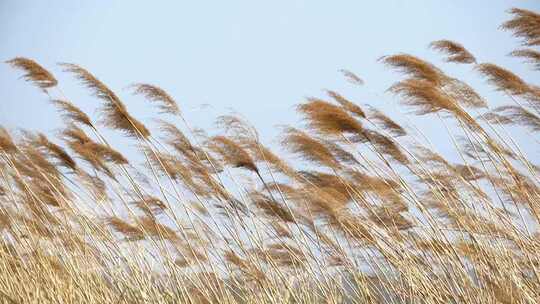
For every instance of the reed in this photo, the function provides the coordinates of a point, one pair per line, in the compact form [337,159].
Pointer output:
[353,207]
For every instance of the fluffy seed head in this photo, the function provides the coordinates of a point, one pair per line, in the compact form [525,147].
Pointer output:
[347,104]
[529,55]
[327,118]
[416,68]
[503,79]
[455,51]
[525,25]
[115,114]
[34,72]
[166,103]
[71,112]
[352,77]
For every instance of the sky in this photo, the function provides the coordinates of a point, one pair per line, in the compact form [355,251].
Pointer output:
[256,58]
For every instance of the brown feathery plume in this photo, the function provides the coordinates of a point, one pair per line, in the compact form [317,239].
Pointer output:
[495,118]
[340,153]
[347,104]
[386,123]
[464,94]
[132,233]
[309,148]
[476,150]
[156,229]
[232,153]
[38,160]
[296,256]
[150,205]
[156,94]
[468,172]
[104,152]
[95,184]
[281,255]
[504,80]
[427,98]
[71,112]
[352,77]
[247,267]
[204,184]
[455,51]
[115,114]
[6,142]
[281,230]
[328,119]
[5,219]
[34,72]
[170,165]
[384,144]
[531,56]
[175,137]
[327,181]
[364,182]
[525,24]
[56,151]
[430,157]
[353,226]
[94,153]
[47,194]
[386,218]
[190,256]
[233,258]
[322,200]
[238,127]
[264,154]
[514,115]
[270,207]
[286,189]
[415,67]
[72,133]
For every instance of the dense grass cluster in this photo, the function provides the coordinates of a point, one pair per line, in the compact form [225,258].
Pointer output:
[368,213]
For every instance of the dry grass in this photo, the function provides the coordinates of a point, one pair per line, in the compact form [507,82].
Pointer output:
[367,213]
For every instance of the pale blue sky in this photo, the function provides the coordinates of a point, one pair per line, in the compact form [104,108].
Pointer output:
[258,57]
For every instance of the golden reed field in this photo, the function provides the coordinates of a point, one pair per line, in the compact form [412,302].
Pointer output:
[352,208]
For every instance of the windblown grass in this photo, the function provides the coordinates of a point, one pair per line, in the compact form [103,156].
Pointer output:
[368,213]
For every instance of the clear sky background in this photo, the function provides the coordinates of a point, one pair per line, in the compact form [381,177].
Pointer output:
[259,58]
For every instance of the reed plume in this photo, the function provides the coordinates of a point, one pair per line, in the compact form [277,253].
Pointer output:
[529,55]
[352,77]
[427,98]
[114,112]
[328,119]
[455,51]
[416,68]
[308,148]
[56,151]
[386,123]
[525,25]
[34,72]
[72,113]
[166,103]
[514,115]
[347,104]
[6,141]
[232,153]
[503,79]
[131,232]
